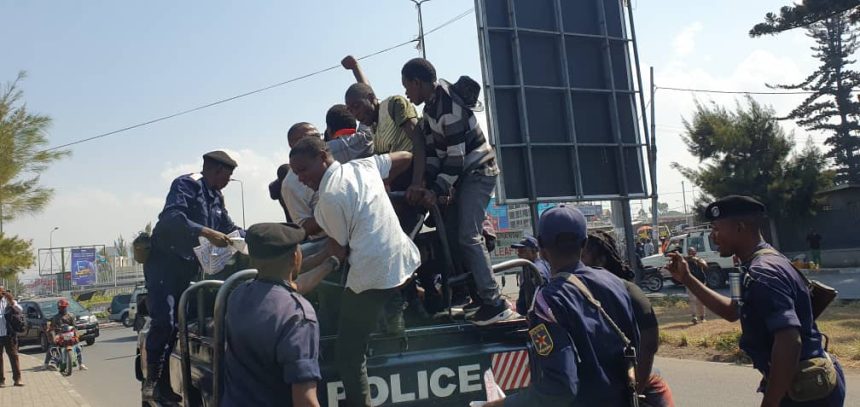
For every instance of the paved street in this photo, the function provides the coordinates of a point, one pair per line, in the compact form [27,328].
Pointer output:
[110,381]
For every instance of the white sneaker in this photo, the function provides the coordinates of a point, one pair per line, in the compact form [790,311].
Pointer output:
[82,367]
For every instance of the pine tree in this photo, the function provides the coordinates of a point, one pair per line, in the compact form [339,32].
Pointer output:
[830,107]
[804,14]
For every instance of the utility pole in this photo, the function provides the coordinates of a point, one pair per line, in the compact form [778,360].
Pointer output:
[421,44]
[655,231]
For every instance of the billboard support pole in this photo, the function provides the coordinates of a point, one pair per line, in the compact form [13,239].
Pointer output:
[655,231]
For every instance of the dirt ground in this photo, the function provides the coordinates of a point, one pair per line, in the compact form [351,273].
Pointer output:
[717,340]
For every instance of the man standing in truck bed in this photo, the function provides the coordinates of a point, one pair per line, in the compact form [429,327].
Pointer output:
[194,208]
[459,157]
[356,214]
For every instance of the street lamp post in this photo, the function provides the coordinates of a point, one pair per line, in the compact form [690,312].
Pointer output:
[242,187]
[421,44]
[51,250]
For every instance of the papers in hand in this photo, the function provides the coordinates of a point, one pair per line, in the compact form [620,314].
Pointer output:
[494,392]
[212,258]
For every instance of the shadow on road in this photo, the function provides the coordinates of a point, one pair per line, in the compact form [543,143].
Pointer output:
[123,339]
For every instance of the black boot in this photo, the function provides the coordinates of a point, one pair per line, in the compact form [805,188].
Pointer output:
[165,391]
[149,391]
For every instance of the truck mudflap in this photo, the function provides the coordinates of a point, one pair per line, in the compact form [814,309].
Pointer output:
[429,379]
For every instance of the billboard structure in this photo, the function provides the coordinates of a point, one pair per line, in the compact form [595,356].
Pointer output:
[84,266]
[559,84]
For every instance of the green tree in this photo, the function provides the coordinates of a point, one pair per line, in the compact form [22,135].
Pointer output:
[120,246]
[830,107]
[15,256]
[22,155]
[745,151]
[804,14]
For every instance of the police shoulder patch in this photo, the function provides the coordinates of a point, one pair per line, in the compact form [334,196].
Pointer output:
[541,339]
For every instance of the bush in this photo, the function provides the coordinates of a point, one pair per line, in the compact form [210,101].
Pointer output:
[728,342]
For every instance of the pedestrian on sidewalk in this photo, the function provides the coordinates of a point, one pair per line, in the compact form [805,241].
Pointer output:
[814,241]
[8,337]
[697,269]
[778,329]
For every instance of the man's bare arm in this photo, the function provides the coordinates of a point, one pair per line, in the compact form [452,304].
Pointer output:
[783,364]
[400,162]
[349,62]
[305,394]
[308,281]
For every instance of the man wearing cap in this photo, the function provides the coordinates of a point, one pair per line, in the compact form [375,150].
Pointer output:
[577,358]
[300,199]
[272,330]
[528,249]
[778,328]
[356,214]
[194,208]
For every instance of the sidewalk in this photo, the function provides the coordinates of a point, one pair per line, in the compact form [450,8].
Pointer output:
[41,387]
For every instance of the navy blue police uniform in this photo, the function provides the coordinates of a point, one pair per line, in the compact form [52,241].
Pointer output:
[774,297]
[576,357]
[272,331]
[190,206]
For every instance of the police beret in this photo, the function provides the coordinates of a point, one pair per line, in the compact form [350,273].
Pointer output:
[734,205]
[221,157]
[268,240]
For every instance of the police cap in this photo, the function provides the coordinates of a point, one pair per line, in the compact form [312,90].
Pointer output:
[733,206]
[221,158]
[561,227]
[270,240]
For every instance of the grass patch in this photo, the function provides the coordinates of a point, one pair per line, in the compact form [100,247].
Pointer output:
[717,340]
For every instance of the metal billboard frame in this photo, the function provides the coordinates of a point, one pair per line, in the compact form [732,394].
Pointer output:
[628,40]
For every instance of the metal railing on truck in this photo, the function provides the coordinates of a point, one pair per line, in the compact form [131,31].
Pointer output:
[226,287]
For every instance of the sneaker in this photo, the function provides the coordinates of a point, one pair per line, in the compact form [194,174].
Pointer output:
[52,367]
[82,367]
[19,383]
[471,308]
[491,314]
[694,320]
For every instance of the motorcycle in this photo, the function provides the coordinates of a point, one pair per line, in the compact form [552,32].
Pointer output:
[652,280]
[66,349]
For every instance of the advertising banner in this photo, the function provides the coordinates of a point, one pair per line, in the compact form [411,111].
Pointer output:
[84,266]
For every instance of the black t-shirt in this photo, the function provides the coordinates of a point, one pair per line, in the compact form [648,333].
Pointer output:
[642,309]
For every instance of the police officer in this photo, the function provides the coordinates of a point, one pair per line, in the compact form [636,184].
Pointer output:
[272,331]
[528,249]
[194,207]
[577,357]
[778,329]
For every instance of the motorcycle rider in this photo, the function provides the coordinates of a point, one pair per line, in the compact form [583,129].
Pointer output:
[55,327]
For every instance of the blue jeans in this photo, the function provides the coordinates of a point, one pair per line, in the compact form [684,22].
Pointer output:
[465,224]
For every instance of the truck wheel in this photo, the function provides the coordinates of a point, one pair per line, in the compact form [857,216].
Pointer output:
[91,341]
[126,321]
[43,341]
[716,277]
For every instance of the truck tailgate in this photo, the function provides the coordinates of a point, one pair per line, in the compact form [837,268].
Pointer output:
[438,366]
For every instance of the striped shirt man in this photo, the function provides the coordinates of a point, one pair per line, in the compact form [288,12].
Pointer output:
[456,145]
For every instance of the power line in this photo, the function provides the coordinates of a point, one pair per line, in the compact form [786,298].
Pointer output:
[738,92]
[255,91]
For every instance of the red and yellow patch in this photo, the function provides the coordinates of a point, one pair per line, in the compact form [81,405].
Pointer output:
[541,340]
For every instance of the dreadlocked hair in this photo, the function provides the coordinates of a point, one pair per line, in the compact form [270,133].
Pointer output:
[603,244]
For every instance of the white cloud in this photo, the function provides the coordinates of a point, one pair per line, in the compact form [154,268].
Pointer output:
[685,42]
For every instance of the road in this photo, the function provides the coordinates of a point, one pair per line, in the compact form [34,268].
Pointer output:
[110,381]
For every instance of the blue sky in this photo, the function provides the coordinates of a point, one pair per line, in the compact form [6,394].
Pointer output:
[95,66]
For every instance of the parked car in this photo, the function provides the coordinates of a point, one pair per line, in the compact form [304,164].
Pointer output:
[137,301]
[118,309]
[40,310]
[700,239]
